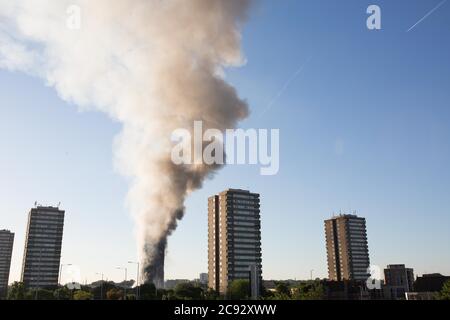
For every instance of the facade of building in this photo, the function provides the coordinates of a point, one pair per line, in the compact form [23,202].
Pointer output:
[42,254]
[398,281]
[234,238]
[432,282]
[346,290]
[203,278]
[6,247]
[347,248]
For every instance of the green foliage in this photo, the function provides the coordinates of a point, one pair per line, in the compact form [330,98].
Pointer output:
[283,289]
[82,295]
[169,295]
[445,292]
[42,294]
[239,290]
[211,294]
[62,293]
[131,296]
[114,294]
[17,291]
[147,291]
[311,290]
[278,296]
[282,292]
[188,291]
[99,292]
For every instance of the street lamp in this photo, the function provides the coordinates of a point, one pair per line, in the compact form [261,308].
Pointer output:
[137,279]
[125,283]
[101,286]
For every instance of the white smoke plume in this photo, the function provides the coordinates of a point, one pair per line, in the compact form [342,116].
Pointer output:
[152,65]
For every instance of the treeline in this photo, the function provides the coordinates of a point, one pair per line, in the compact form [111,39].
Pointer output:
[238,290]
[108,291]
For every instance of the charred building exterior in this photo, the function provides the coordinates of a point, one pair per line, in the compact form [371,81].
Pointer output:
[154,269]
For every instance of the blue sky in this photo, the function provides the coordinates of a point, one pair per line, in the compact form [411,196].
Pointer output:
[364,126]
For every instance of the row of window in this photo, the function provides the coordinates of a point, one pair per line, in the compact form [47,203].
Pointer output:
[244,196]
[246,229]
[244,218]
[253,223]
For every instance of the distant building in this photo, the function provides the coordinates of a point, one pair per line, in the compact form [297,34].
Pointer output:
[203,278]
[346,290]
[41,261]
[430,282]
[398,281]
[234,238]
[6,247]
[347,248]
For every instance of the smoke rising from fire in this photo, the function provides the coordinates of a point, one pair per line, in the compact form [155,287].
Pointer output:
[152,65]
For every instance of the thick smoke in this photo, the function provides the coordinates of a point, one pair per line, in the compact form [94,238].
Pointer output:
[152,65]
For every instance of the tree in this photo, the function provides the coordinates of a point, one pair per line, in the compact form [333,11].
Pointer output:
[283,288]
[169,295]
[114,294]
[17,291]
[188,291]
[445,292]
[42,294]
[147,291]
[282,291]
[312,290]
[239,290]
[82,295]
[62,293]
[211,294]
[99,291]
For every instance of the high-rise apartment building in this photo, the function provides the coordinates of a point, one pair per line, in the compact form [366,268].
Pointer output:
[6,247]
[347,248]
[41,260]
[234,238]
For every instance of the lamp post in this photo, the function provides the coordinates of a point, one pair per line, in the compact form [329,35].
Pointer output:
[138,289]
[101,286]
[125,283]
